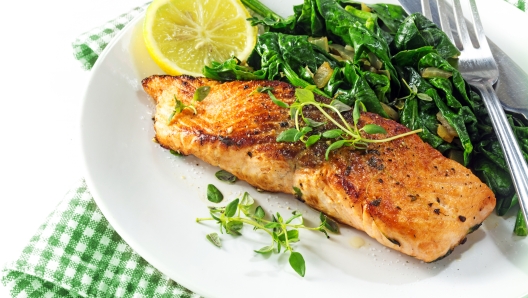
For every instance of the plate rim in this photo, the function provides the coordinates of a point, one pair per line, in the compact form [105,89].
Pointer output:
[94,190]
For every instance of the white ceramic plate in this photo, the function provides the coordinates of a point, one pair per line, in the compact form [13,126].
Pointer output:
[152,199]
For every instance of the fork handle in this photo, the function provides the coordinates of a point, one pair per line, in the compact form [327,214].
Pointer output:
[510,147]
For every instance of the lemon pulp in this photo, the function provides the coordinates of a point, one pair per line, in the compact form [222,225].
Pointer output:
[184,35]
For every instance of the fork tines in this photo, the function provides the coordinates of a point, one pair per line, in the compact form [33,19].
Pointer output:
[449,15]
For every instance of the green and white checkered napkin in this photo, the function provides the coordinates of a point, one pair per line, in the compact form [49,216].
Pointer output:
[89,45]
[76,253]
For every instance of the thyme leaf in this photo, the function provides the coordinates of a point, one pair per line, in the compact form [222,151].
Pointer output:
[201,93]
[297,263]
[213,237]
[313,123]
[329,224]
[340,106]
[281,104]
[333,133]
[179,106]
[312,140]
[373,129]
[213,194]
[225,176]
[298,193]
[287,135]
[231,208]
[175,153]
[345,135]
[284,232]
[265,249]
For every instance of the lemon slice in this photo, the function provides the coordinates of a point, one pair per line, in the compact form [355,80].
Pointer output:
[184,35]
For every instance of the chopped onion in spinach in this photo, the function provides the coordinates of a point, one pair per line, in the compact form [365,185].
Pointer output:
[384,58]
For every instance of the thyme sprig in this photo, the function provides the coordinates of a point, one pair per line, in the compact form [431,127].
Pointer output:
[345,135]
[399,103]
[413,92]
[199,95]
[283,232]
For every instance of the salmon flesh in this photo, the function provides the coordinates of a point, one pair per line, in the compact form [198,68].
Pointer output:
[403,193]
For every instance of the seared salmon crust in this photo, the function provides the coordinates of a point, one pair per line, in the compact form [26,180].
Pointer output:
[403,193]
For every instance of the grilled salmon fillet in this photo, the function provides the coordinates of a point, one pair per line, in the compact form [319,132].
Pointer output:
[403,193]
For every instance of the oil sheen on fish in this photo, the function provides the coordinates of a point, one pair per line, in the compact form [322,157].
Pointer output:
[403,193]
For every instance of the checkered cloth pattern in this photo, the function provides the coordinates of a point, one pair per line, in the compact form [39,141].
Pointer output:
[77,253]
[89,45]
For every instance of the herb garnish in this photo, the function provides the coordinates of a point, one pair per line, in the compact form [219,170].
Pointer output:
[345,135]
[283,232]
[329,223]
[175,153]
[225,176]
[213,194]
[373,48]
[413,92]
[213,237]
[261,89]
[199,95]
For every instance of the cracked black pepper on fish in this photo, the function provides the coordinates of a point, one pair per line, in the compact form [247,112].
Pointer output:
[403,193]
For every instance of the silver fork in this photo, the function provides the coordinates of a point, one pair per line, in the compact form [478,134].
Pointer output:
[478,67]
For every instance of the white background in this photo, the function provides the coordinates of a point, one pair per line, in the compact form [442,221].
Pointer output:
[42,86]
